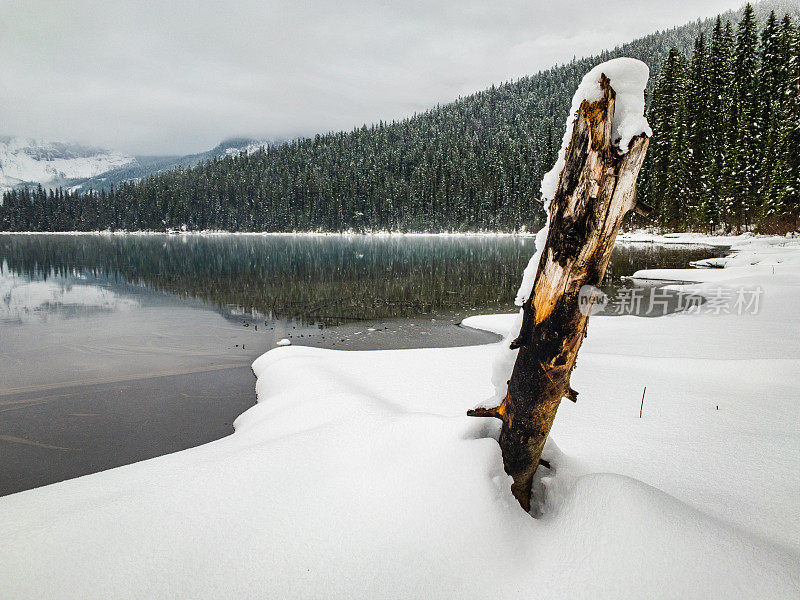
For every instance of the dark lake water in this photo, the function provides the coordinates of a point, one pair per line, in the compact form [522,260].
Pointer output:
[309,280]
[116,348]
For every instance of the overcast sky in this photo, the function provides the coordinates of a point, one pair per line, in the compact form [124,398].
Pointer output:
[177,77]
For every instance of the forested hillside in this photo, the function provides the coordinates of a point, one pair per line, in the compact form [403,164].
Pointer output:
[476,163]
[726,130]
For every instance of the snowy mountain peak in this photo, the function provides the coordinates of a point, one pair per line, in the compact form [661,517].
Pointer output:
[78,167]
[25,160]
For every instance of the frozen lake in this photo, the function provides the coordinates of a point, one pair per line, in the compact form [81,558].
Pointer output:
[117,348]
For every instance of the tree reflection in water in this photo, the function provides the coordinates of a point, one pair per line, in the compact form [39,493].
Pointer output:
[317,279]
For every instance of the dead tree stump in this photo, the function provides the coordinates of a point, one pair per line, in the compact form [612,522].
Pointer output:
[596,188]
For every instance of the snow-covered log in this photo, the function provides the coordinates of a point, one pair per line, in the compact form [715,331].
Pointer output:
[596,186]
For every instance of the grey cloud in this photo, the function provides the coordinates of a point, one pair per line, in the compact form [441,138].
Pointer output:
[175,77]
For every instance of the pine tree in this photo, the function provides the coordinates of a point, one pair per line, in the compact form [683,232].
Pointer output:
[781,187]
[666,163]
[677,189]
[701,199]
[771,71]
[745,151]
[726,138]
[720,73]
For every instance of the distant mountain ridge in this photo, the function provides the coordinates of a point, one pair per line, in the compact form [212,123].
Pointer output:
[149,165]
[53,164]
[26,161]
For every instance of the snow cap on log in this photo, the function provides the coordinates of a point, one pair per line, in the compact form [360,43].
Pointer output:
[628,78]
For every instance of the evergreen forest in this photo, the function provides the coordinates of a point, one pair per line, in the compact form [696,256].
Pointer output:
[723,102]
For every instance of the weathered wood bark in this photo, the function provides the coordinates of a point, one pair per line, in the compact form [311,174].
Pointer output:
[597,187]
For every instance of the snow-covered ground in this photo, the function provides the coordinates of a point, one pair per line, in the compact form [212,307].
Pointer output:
[641,236]
[358,474]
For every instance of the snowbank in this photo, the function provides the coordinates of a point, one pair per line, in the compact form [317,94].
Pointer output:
[358,474]
[741,241]
[750,257]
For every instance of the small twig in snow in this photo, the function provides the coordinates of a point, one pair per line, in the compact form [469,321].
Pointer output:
[642,405]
